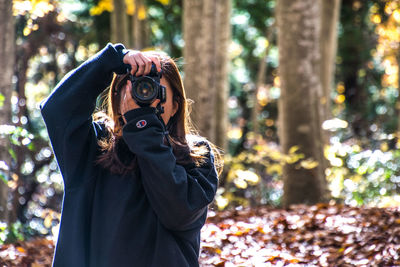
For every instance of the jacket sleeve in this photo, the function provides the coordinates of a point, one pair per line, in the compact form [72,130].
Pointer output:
[178,195]
[67,113]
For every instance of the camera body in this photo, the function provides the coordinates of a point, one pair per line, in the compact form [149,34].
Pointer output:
[146,89]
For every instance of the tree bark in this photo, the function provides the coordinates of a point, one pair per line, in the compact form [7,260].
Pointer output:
[206,30]
[328,40]
[329,23]
[356,40]
[208,69]
[192,18]
[300,108]
[222,80]
[398,97]
[140,27]
[7,29]
[262,72]
[119,23]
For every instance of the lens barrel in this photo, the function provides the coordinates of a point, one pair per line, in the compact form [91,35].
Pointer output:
[146,89]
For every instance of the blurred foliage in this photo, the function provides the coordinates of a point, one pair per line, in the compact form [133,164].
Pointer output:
[369,176]
[164,18]
[253,41]
[11,233]
[364,107]
[56,36]
[253,177]
[367,68]
[2,98]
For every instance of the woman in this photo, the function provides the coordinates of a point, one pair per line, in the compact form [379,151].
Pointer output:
[130,197]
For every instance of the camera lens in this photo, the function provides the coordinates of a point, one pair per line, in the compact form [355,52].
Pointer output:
[145,90]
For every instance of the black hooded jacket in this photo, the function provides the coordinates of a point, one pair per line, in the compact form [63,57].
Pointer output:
[109,220]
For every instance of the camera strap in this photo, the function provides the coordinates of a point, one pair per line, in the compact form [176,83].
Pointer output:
[159,111]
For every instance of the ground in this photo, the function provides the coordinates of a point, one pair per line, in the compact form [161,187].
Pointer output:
[320,235]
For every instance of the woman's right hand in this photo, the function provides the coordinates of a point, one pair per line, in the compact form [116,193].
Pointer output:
[141,62]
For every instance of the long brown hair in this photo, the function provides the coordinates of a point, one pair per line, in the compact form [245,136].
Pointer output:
[116,156]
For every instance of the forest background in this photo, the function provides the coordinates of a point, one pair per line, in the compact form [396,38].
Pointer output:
[302,96]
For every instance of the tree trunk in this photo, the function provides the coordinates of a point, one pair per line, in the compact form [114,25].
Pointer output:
[140,27]
[356,42]
[300,108]
[398,97]
[222,81]
[119,23]
[207,36]
[262,72]
[192,22]
[7,29]
[329,23]
[328,45]
[24,53]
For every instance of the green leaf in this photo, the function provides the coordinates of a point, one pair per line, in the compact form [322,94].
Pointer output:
[3,177]
[293,149]
[12,153]
[31,146]
[2,99]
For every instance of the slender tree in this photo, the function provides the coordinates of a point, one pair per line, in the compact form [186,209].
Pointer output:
[355,44]
[328,46]
[261,74]
[206,30]
[398,97]
[192,16]
[222,83]
[6,72]
[300,109]
[328,39]
[140,28]
[119,23]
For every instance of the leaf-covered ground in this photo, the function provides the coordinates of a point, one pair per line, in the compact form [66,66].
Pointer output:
[321,235]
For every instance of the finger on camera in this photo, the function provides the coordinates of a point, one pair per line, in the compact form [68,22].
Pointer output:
[155,103]
[148,62]
[134,68]
[141,67]
[129,58]
[156,62]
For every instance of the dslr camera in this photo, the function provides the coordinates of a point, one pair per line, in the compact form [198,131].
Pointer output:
[146,89]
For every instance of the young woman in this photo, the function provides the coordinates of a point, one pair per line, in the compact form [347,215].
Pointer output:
[131,198]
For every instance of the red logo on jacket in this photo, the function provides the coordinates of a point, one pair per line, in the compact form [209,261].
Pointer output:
[141,123]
